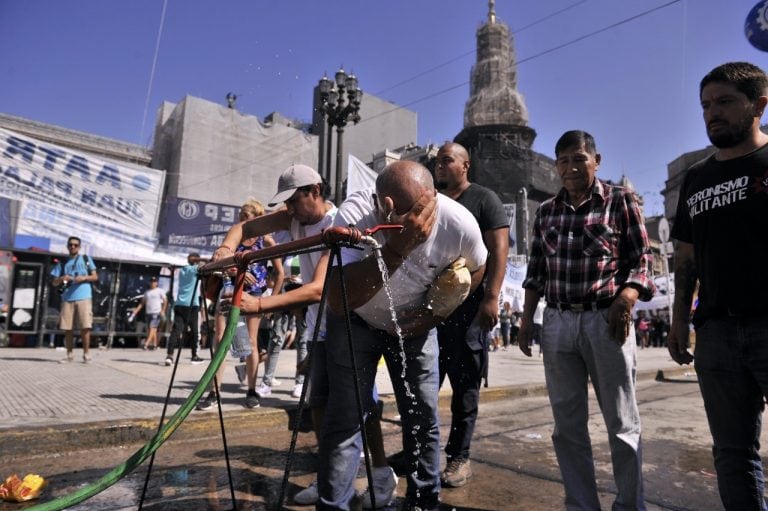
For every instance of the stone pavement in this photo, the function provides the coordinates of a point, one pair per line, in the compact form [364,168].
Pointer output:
[118,397]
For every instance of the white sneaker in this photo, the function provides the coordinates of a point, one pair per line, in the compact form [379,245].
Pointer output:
[297,390]
[263,390]
[169,361]
[307,496]
[384,485]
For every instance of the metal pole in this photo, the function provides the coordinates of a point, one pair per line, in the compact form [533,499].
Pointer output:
[665,258]
[329,149]
[339,136]
[524,207]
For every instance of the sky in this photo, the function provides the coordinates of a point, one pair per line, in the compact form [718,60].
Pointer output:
[626,71]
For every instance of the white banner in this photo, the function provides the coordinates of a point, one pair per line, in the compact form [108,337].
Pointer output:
[99,238]
[512,290]
[359,176]
[511,210]
[117,194]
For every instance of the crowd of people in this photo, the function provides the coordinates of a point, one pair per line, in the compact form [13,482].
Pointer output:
[432,314]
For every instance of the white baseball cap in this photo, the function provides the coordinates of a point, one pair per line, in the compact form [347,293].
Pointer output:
[293,178]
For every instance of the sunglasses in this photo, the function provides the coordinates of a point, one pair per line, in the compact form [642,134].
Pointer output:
[73,244]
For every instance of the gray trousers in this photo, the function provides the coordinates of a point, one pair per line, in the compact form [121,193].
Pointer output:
[576,347]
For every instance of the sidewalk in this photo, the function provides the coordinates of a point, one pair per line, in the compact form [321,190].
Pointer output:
[118,397]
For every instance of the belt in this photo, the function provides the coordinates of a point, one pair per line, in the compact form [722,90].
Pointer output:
[581,307]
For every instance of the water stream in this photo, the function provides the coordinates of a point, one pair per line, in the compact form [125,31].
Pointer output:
[399,333]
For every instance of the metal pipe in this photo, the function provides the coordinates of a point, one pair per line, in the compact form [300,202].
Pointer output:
[330,237]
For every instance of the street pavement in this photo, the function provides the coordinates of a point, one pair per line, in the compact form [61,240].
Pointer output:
[119,396]
[73,422]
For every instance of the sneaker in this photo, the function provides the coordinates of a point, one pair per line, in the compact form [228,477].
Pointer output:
[168,361]
[86,358]
[307,496]
[297,390]
[197,360]
[384,485]
[207,402]
[252,399]
[240,370]
[67,359]
[263,390]
[457,473]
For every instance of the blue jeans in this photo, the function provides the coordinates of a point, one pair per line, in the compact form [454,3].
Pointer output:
[276,340]
[416,394]
[578,349]
[732,367]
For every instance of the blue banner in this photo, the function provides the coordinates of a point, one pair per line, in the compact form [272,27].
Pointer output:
[196,224]
[5,222]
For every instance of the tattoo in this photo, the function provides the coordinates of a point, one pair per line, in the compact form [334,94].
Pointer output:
[685,285]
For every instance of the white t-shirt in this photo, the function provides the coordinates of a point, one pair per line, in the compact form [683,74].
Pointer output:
[153,300]
[308,261]
[455,234]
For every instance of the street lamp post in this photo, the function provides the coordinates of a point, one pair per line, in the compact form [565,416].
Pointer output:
[524,208]
[340,104]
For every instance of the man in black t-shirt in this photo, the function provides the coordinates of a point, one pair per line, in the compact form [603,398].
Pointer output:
[464,336]
[721,225]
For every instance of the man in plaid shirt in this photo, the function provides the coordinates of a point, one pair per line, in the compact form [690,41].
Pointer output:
[590,260]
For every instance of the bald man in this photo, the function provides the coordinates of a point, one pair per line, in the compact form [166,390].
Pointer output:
[463,337]
[436,232]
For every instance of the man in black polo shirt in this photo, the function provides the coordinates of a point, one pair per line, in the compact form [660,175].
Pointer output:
[464,335]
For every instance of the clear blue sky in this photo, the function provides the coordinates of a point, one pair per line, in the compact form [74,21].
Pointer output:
[86,64]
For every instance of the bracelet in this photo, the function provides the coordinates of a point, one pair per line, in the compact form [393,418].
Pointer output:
[224,246]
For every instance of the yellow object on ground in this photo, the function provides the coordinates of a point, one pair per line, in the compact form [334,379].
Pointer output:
[20,490]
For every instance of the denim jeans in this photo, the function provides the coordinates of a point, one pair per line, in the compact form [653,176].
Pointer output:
[416,394]
[464,359]
[577,348]
[732,367]
[276,340]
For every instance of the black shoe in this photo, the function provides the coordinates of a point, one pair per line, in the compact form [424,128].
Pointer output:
[197,360]
[399,463]
[252,399]
[410,504]
[207,402]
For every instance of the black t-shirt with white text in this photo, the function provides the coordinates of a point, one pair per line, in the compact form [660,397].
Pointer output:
[723,212]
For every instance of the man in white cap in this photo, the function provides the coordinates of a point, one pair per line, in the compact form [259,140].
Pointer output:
[306,213]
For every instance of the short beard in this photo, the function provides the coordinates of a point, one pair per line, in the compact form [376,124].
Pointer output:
[735,135]
[441,185]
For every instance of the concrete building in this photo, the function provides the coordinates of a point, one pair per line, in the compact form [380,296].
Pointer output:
[218,154]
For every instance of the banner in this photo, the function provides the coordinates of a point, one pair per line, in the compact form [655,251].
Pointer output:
[120,194]
[512,290]
[5,222]
[359,176]
[100,238]
[511,210]
[192,224]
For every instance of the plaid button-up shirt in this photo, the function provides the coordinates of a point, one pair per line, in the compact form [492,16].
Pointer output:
[589,253]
